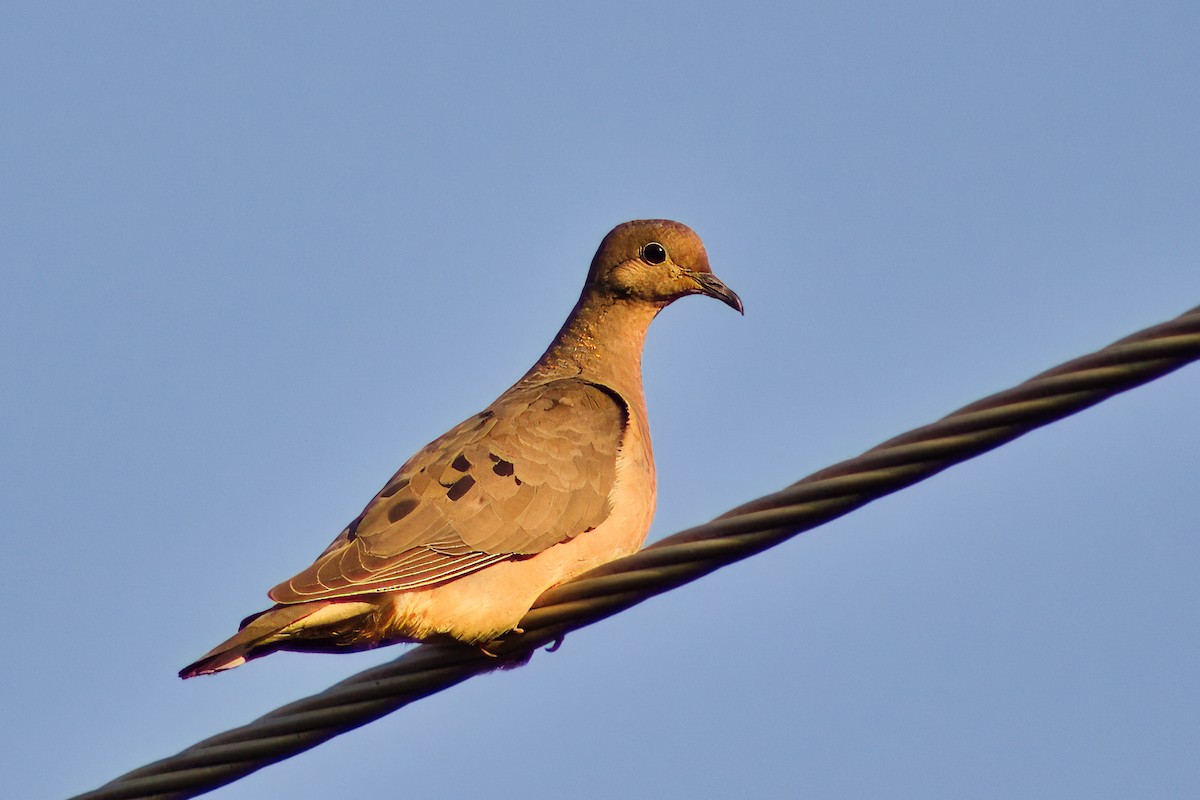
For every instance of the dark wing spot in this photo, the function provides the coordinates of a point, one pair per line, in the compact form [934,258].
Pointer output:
[352,528]
[460,487]
[394,487]
[401,510]
[518,480]
[460,463]
[503,468]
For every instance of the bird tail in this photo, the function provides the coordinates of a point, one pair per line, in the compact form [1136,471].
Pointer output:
[310,627]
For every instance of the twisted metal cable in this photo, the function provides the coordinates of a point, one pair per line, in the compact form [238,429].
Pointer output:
[678,559]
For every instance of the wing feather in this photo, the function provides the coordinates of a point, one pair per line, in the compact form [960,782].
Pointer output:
[535,469]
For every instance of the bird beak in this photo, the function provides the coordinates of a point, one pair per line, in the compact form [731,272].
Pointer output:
[713,286]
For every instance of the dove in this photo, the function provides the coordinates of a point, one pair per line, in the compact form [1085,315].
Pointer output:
[552,479]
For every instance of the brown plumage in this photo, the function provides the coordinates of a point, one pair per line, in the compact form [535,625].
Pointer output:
[553,478]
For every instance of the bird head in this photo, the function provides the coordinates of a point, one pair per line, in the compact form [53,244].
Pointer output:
[656,261]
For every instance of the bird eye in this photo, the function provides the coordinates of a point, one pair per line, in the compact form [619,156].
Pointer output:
[654,253]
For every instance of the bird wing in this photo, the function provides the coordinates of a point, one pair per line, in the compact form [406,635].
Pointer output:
[535,469]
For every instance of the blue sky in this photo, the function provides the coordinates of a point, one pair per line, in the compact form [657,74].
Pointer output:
[256,255]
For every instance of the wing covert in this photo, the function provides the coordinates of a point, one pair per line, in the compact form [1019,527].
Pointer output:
[535,469]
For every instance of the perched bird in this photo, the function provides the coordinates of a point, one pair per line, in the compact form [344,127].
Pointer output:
[553,478]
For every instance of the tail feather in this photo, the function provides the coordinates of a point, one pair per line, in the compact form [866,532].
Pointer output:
[312,627]
[252,641]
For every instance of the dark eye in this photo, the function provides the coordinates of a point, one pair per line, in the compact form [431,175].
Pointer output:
[654,253]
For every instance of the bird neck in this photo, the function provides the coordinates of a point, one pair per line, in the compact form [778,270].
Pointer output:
[601,341]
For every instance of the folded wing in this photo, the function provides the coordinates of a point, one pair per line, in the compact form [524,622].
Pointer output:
[533,470]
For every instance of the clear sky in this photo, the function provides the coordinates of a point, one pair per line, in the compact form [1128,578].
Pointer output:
[255,255]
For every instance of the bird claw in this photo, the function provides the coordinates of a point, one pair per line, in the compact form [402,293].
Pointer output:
[509,659]
[557,643]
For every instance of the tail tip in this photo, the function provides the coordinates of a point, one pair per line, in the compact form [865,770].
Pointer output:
[211,665]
